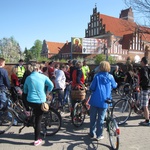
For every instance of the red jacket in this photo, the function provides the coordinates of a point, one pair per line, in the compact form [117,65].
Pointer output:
[77,78]
[14,80]
[50,72]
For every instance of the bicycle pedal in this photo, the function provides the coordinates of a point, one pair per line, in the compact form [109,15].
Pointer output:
[20,130]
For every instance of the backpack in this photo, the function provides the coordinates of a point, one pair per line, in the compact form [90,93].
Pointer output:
[146,77]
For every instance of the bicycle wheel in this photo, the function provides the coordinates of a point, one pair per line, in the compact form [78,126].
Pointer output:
[121,90]
[51,122]
[55,103]
[6,120]
[78,114]
[121,111]
[113,134]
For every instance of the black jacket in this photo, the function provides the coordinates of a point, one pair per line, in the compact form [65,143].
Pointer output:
[142,77]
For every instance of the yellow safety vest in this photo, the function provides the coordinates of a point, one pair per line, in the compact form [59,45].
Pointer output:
[20,72]
[85,70]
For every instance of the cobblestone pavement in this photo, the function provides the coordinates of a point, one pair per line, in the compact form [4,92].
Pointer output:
[132,137]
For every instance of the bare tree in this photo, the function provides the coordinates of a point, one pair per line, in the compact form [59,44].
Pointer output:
[140,6]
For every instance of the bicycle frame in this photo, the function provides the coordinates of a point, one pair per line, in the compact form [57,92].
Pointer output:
[51,120]
[112,128]
[134,106]
[55,103]
[110,118]
[21,114]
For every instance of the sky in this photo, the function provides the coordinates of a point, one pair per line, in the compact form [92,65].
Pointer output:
[51,20]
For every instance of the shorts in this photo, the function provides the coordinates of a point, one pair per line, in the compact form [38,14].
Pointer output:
[144,97]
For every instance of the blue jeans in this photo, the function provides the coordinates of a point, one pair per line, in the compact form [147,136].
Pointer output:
[3,104]
[97,116]
[61,96]
[3,100]
[66,94]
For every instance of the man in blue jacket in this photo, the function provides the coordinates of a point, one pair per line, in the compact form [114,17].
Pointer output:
[4,84]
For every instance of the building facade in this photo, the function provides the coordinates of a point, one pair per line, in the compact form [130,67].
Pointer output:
[51,49]
[124,38]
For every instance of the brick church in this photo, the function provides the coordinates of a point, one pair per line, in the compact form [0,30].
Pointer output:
[123,38]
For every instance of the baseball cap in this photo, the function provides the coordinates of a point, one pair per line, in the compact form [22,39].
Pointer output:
[21,60]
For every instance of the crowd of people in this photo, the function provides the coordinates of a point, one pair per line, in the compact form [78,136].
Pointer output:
[139,81]
[36,80]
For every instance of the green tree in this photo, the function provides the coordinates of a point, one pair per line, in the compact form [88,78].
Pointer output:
[111,59]
[99,58]
[27,55]
[36,49]
[34,52]
[10,49]
[40,59]
[102,57]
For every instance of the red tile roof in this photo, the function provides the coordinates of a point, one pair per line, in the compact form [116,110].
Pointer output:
[66,48]
[116,26]
[120,27]
[54,47]
[145,31]
[146,37]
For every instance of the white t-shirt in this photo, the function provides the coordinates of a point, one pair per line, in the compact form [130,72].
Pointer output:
[60,80]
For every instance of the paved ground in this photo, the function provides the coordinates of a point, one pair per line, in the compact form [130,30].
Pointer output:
[133,137]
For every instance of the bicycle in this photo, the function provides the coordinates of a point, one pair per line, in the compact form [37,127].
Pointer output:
[122,108]
[54,102]
[121,89]
[50,124]
[66,102]
[80,109]
[112,128]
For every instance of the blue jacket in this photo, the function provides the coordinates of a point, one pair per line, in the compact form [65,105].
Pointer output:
[34,87]
[4,80]
[101,87]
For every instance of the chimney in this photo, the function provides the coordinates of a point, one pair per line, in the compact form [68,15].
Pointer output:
[127,14]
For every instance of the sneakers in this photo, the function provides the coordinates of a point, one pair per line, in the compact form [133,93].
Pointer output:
[144,123]
[99,138]
[90,135]
[38,142]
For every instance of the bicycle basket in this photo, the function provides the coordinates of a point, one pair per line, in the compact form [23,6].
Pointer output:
[78,94]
